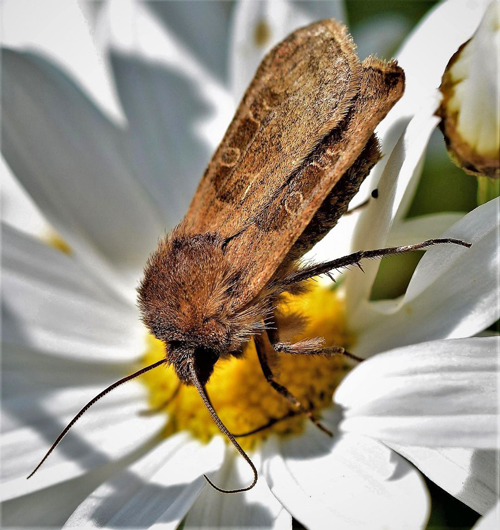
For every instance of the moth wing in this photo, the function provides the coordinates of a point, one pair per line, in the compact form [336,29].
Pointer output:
[301,91]
[304,120]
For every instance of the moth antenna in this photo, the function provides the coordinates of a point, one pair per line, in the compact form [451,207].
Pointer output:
[92,402]
[223,430]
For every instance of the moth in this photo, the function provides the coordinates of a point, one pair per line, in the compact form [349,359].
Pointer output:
[300,145]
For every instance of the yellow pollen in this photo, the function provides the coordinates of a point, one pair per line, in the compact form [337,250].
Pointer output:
[242,397]
[262,33]
[54,240]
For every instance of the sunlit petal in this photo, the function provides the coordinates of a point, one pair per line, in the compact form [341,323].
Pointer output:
[424,57]
[418,229]
[434,394]
[259,25]
[154,492]
[51,303]
[57,30]
[491,520]
[110,430]
[402,171]
[74,163]
[453,292]
[470,475]
[176,109]
[254,508]
[184,20]
[318,479]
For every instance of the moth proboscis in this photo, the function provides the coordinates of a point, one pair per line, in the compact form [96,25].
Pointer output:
[300,145]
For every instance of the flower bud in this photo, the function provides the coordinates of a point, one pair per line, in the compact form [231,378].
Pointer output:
[470,104]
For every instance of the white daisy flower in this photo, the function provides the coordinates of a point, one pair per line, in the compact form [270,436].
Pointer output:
[71,326]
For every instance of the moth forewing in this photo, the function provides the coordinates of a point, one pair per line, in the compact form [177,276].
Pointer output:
[301,91]
[313,107]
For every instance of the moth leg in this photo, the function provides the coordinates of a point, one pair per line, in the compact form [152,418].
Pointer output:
[161,406]
[260,346]
[314,347]
[354,259]
[272,329]
[305,347]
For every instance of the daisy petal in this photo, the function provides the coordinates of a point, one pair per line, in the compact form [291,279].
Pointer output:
[258,26]
[29,376]
[470,475]
[17,207]
[110,430]
[453,292]
[249,509]
[319,479]
[400,176]
[491,520]
[50,303]
[441,394]
[57,30]
[156,491]
[177,111]
[184,20]
[52,506]
[74,164]
[418,229]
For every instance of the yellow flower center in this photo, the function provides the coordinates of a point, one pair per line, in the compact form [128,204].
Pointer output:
[240,394]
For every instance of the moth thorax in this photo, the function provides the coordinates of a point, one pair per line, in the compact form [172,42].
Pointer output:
[185,295]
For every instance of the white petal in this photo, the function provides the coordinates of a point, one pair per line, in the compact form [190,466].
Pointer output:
[17,207]
[57,30]
[184,19]
[50,507]
[438,394]
[176,109]
[418,229]
[29,376]
[469,475]
[75,165]
[259,25]
[319,479]
[491,521]
[399,178]
[479,227]
[453,292]
[250,509]
[337,243]
[110,430]
[52,304]
[156,491]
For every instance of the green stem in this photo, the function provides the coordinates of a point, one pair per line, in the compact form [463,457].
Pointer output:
[487,189]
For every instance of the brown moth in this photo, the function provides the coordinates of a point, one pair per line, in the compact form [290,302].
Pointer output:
[300,145]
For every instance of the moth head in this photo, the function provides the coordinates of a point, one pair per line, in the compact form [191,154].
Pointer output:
[203,359]
[185,299]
